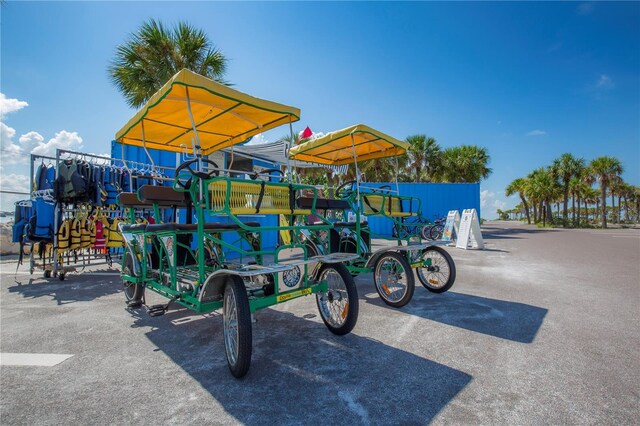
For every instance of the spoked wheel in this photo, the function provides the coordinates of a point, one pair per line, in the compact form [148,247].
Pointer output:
[436,232]
[440,273]
[132,291]
[425,232]
[237,326]
[339,305]
[393,279]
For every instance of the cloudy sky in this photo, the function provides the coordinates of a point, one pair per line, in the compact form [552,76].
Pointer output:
[529,81]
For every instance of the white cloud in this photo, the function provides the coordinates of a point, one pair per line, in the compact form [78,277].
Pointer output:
[14,182]
[11,153]
[605,83]
[30,141]
[62,140]
[258,140]
[499,204]
[537,133]
[8,106]
[485,195]
[33,143]
[489,204]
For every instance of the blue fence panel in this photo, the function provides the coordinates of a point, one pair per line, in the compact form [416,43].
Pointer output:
[437,199]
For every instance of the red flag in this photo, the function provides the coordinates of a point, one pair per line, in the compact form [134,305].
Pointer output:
[306,133]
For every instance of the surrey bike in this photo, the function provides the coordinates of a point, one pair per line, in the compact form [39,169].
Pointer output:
[240,275]
[390,258]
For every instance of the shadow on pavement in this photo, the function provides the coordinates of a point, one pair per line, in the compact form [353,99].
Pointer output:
[75,287]
[303,374]
[491,233]
[514,321]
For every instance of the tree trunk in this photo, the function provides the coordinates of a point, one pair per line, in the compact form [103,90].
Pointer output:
[535,213]
[579,200]
[566,200]
[526,208]
[603,196]
[619,215]
[573,209]
[551,221]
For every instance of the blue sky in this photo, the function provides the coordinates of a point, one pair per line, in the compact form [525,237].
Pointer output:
[529,81]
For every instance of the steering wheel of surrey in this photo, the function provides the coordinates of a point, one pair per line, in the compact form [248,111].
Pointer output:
[199,174]
[343,191]
[381,188]
[267,172]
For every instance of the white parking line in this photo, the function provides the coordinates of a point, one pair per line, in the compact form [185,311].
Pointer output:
[35,360]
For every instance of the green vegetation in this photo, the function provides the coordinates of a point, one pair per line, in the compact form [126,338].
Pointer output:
[424,161]
[154,54]
[571,178]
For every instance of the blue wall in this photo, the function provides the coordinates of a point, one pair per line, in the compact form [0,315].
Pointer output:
[437,200]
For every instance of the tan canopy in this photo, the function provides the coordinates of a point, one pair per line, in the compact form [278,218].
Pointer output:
[338,148]
[223,116]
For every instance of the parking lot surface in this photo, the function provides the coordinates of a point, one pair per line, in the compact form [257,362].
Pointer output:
[542,327]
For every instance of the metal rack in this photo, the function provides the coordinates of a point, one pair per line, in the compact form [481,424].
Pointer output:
[70,261]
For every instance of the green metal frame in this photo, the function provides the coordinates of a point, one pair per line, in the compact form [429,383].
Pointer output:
[139,242]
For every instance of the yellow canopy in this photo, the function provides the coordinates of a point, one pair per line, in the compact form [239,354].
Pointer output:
[337,148]
[223,116]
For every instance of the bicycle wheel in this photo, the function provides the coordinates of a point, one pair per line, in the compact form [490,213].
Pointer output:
[393,279]
[425,232]
[440,273]
[436,232]
[132,291]
[339,305]
[237,326]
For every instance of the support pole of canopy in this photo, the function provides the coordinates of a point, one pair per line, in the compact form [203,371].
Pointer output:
[286,153]
[197,147]
[397,171]
[197,150]
[144,145]
[355,162]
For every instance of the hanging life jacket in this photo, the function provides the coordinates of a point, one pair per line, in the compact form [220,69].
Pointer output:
[64,236]
[76,234]
[21,216]
[92,232]
[40,226]
[85,233]
[102,232]
[115,237]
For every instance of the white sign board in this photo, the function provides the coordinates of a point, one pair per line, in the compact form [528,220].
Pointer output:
[469,232]
[451,226]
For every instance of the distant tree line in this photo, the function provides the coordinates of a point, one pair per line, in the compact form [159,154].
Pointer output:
[424,161]
[586,186]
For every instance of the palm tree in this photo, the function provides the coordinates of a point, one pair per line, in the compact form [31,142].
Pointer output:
[152,55]
[606,169]
[564,168]
[423,155]
[465,163]
[590,197]
[518,185]
[543,188]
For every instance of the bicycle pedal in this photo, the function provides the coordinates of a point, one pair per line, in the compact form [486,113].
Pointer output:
[156,310]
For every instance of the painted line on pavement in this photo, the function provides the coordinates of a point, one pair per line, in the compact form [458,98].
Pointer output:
[34,360]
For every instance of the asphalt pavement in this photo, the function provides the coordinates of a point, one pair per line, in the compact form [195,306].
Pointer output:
[542,327]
